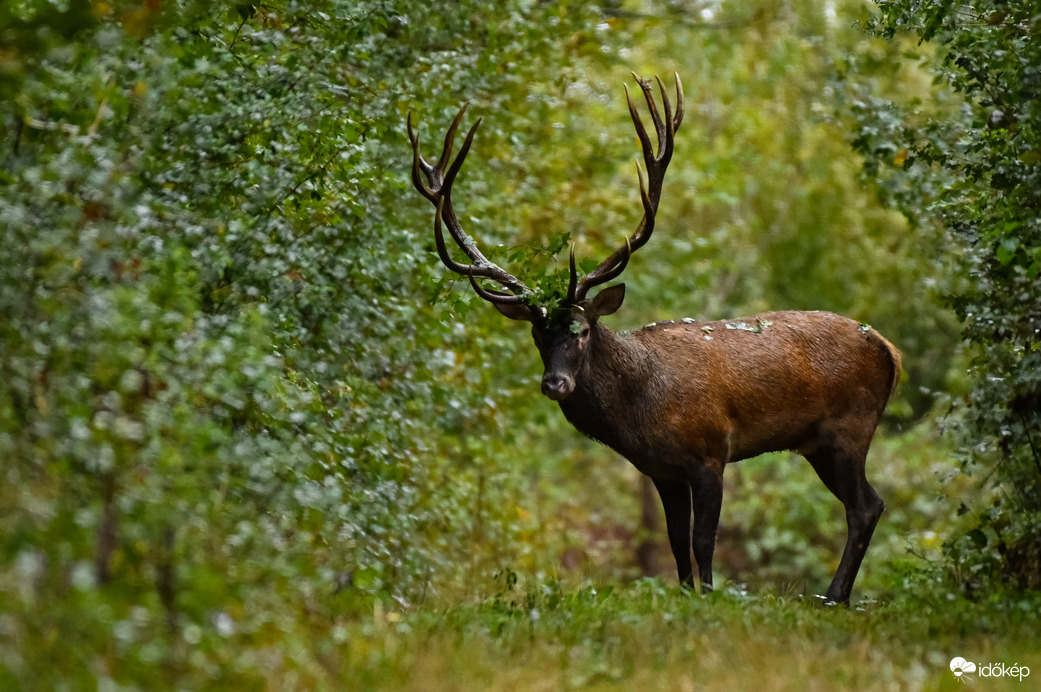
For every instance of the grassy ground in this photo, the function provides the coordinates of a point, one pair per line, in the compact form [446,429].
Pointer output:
[644,635]
[651,636]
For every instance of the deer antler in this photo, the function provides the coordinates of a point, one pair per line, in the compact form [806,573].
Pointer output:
[650,189]
[439,177]
[438,189]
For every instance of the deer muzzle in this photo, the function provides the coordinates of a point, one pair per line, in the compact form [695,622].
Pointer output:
[557,386]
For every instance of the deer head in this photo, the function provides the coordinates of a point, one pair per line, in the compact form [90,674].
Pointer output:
[565,329]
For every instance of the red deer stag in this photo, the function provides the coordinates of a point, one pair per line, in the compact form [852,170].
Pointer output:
[681,400]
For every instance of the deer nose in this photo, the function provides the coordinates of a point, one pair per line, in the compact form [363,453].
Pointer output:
[557,387]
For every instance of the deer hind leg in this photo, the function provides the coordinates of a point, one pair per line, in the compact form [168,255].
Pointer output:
[706,487]
[841,468]
[675,499]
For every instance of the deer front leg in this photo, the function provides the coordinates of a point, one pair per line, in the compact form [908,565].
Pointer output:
[675,499]
[706,486]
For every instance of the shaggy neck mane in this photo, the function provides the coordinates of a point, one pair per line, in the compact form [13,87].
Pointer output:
[609,389]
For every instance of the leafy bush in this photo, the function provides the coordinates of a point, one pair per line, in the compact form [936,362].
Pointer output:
[972,168]
[217,395]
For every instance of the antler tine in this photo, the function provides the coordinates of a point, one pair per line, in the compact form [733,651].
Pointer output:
[641,131]
[446,150]
[419,164]
[677,118]
[572,283]
[616,270]
[453,170]
[648,207]
[650,188]
[667,108]
[492,296]
[648,95]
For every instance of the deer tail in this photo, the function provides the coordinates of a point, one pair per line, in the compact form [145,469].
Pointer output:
[894,362]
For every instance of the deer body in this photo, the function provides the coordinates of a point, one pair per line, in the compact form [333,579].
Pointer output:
[665,396]
[681,400]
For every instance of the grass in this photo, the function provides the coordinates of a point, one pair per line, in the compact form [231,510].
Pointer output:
[650,635]
[645,635]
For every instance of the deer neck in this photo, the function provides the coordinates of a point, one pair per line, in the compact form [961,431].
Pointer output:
[612,389]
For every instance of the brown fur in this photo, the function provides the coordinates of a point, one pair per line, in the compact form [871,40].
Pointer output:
[734,395]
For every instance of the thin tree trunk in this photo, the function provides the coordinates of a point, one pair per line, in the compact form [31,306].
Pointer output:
[107,531]
[650,528]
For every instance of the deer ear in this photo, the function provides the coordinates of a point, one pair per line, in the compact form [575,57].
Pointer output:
[606,301]
[515,311]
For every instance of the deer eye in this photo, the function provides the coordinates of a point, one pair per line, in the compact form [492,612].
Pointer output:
[580,329]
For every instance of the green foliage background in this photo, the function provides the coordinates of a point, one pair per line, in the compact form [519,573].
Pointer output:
[244,412]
